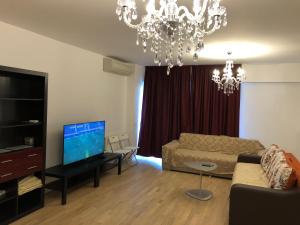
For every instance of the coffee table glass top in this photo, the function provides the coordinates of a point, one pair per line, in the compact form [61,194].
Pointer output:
[201,166]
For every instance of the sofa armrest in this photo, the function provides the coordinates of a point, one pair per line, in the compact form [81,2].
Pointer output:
[167,153]
[249,158]
[251,205]
[171,145]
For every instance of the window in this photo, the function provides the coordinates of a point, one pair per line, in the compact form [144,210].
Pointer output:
[140,105]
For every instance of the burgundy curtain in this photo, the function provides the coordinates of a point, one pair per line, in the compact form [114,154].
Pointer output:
[186,101]
[213,111]
[166,110]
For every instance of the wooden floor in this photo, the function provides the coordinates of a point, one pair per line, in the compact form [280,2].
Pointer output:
[142,195]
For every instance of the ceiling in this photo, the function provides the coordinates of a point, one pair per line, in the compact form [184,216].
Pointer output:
[258,31]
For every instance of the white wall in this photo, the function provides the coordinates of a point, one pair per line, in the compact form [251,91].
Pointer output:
[78,89]
[270,106]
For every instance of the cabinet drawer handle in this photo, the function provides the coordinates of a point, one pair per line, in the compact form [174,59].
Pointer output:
[6,175]
[7,161]
[32,167]
[32,155]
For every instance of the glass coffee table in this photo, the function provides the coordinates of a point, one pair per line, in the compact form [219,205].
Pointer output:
[201,194]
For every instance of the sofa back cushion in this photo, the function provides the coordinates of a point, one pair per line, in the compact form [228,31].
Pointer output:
[268,155]
[214,143]
[279,173]
[295,164]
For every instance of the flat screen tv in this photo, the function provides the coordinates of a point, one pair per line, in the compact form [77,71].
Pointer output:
[83,140]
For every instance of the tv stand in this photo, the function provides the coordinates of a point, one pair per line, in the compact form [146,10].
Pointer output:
[65,173]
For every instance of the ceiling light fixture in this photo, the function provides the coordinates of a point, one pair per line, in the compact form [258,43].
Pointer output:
[172,29]
[228,82]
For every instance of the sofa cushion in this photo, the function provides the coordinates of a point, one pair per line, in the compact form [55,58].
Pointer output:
[224,144]
[279,173]
[250,174]
[295,164]
[267,156]
[225,162]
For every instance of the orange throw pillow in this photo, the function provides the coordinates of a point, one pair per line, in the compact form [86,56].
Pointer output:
[293,162]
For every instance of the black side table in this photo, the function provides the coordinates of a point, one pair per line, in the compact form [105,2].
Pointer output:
[95,165]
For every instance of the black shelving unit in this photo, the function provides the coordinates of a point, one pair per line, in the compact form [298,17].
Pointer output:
[11,188]
[19,124]
[8,210]
[30,201]
[23,97]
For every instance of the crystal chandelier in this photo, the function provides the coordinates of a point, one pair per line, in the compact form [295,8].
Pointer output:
[172,30]
[228,82]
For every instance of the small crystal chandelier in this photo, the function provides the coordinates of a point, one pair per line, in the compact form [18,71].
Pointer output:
[228,83]
[171,31]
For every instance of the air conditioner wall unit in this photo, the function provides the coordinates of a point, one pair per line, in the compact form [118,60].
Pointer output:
[117,67]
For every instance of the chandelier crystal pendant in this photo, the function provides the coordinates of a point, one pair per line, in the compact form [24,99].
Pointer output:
[228,82]
[172,31]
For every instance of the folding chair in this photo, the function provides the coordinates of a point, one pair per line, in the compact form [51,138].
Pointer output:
[125,144]
[114,143]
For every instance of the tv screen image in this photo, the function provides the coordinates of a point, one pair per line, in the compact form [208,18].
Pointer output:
[83,140]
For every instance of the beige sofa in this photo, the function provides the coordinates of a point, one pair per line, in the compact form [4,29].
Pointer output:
[222,150]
